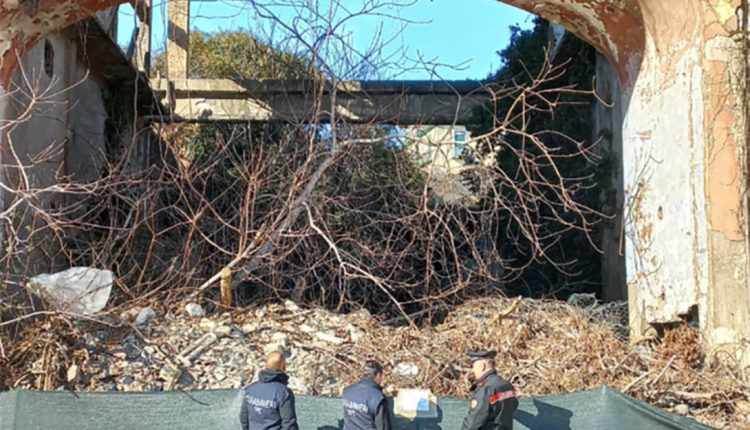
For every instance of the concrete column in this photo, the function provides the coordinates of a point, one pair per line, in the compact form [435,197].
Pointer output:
[608,119]
[178,32]
[143,41]
[664,175]
[685,160]
[724,128]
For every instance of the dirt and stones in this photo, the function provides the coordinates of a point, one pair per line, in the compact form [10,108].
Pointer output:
[544,347]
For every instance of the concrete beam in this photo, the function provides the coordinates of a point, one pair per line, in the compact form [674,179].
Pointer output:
[405,103]
[178,39]
[105,60]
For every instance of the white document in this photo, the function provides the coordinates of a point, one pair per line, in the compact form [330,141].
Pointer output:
[415,403]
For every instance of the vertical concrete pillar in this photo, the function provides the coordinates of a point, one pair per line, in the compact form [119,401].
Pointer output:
[725,100]
[686,175]
[143,41]
[608,116]
[178,31]
[665,221]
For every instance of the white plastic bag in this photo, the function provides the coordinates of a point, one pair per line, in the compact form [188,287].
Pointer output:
[78,290]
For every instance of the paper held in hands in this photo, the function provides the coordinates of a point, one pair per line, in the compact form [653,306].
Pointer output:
[415,403]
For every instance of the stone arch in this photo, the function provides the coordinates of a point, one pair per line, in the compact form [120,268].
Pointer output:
[615,28]
[24,23]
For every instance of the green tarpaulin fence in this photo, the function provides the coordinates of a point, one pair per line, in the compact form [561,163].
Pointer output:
[597,409]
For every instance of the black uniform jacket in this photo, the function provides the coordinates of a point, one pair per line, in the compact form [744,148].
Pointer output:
[268,403]
[492,404]
[365,407]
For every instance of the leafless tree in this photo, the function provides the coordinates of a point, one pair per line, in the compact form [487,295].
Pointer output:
[299,209]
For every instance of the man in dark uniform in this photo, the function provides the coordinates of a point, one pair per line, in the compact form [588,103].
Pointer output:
[365,404]
[268,402]
[494,400]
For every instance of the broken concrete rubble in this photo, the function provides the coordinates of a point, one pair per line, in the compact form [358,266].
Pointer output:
[546,348]
[195,310]
[329,338]
[145,316]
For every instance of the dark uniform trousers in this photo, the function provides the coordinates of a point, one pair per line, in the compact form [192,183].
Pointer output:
[365,407]
[492,405]
[268,403]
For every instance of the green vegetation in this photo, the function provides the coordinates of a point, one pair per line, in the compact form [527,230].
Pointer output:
[237,55]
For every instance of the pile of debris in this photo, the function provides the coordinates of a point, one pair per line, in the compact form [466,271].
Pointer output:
[148,351]
[544,347]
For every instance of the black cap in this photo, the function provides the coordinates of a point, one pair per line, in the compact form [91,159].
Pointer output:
[482,355]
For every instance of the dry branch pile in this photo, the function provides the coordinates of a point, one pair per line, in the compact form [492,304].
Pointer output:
[545,347]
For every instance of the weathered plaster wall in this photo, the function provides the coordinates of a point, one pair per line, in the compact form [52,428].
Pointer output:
[663,158]
[685,130]
[724,83]
[65,135]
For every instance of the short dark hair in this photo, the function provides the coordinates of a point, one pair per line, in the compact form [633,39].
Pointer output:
[371,369]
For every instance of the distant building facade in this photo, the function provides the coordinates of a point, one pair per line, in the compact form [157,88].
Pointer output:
[440,148]
[447,154]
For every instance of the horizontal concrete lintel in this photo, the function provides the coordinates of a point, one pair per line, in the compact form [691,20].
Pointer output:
[403,103]
[401,110]
[253,87]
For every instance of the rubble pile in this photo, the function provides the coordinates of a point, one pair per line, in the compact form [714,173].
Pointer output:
[544,347]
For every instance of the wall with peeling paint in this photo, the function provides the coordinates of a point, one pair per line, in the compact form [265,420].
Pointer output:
[725,131]
[665,220]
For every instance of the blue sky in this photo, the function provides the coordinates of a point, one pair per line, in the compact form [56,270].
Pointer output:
[456,39]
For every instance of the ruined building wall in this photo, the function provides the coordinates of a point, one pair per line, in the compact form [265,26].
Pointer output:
[684,151]
[685,174]
[684,144]
[65,135]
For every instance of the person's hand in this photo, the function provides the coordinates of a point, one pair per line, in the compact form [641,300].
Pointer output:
[391,391]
